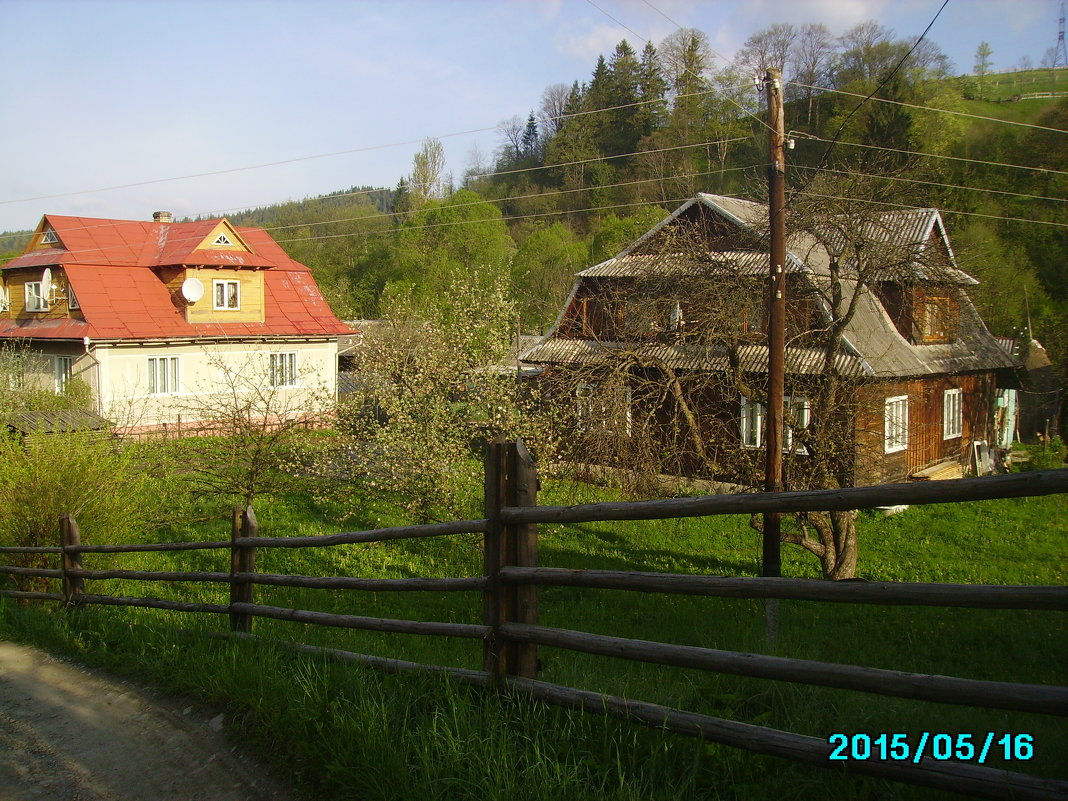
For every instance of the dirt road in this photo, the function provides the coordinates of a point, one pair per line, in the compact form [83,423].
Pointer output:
[69,734]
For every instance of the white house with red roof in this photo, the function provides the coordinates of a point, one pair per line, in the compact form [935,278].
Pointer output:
[153,314]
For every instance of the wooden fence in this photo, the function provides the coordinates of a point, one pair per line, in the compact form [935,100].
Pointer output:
[510,633]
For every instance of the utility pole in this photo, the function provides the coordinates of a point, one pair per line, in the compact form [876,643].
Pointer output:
[771,562]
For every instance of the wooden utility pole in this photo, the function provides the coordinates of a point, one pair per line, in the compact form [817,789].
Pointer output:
[771,562]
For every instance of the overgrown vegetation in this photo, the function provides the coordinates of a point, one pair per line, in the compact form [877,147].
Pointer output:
[348,732]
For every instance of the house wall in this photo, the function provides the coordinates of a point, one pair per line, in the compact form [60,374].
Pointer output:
[15,283]
[203,311]
[926,443]
[38,365]
[203,370]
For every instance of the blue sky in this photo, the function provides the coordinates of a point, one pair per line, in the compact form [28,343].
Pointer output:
[144,93]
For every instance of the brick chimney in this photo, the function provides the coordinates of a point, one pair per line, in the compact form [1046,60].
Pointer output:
[162,216]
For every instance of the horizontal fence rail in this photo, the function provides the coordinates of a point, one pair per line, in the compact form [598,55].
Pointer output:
[510,635]
[918,686]
[975,596]
[1016,485]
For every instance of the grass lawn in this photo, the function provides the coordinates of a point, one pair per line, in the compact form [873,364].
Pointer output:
[353,733]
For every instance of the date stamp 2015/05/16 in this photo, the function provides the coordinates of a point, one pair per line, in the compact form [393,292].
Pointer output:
[940,746]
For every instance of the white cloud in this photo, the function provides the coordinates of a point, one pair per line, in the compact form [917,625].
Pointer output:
[586,40]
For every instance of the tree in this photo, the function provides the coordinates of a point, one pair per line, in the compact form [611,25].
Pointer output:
[813,54]
[457,238]
[257,413]
[983,64]
[543,270]
[430,392]
[427,181]
[552,109]
[769,48]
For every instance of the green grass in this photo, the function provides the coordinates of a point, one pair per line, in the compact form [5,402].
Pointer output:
[352,733]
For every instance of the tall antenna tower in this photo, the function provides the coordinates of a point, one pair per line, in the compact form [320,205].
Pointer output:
[1060,55]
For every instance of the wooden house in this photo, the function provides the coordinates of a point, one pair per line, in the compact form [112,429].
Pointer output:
[152,314]
[661,354]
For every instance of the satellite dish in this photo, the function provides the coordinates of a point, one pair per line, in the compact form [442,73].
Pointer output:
[46,282]
[192,289]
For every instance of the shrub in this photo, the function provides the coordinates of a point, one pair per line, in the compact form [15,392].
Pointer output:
[44,476]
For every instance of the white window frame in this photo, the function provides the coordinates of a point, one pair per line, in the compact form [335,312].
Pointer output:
[225,284]
[49,237]
[753,414]
[223,240]
[63,369]
[896,424]
[798,409]
[72,299]
[751,423]
[35,297]
[952,413]
[164,373]
[283,369]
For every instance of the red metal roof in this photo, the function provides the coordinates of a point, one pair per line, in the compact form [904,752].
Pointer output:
[109,264]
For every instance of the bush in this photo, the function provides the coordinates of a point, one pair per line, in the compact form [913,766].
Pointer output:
[105,487]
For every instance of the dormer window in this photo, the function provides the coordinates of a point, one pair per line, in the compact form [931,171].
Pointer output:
[935,319]
[227,294]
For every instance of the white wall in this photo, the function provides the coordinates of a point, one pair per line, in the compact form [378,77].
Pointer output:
[207,372]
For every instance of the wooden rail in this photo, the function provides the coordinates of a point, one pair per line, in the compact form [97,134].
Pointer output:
[510,633]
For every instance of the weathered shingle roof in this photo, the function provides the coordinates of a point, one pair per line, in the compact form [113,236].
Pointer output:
[680,356]
[873,345]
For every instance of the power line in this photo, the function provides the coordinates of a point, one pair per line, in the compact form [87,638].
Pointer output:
[929,108]
[938,184]
[350,151]
[397,216]
[727,97]
[932,155]
[497,173]
[940,210]
[876,90]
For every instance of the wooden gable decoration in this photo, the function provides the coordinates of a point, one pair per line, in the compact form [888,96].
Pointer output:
[224,237]
[44,238]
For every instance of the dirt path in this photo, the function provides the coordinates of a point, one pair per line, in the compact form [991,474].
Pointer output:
[68,734]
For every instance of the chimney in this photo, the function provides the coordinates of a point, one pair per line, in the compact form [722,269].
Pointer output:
[162,216]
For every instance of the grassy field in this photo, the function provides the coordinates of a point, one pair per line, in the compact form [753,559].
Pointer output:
[353,733]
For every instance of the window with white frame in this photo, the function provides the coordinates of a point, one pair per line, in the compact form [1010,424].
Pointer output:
[751,425]
[227,293]
[163,373]
[36,301]
[283,369]
[796,413]
[49,237]
[72,299]
[64,370]
[896,424]
[952,413]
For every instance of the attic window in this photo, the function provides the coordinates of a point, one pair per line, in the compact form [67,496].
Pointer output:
[223,241]
[227,294]
[49,237]
[936,319]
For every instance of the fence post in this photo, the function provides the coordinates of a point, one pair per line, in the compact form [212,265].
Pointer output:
[242,560]
[511,480]
[525,539]
[73,586]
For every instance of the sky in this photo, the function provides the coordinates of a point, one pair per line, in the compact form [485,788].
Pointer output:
[119,108]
